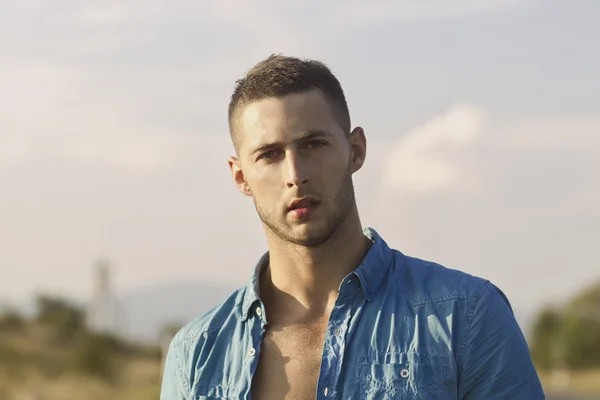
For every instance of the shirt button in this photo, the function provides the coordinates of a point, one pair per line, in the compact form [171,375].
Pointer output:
[258,311]
[337,331]
[325,391]
[252,352]
[404,373]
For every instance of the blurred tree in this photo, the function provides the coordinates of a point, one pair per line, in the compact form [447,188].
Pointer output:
[545,334]
[96,355]
[569,337]
[11,320]
[582,329]
[67,319]
[588,299]
[581,338]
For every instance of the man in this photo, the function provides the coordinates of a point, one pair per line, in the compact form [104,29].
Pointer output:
[331,311]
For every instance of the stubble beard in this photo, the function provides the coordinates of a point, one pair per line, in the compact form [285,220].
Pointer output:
[344,200]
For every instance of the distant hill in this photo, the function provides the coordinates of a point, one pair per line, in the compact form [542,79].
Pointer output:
[149,309]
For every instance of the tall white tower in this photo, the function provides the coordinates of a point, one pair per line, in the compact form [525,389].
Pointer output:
[102,313]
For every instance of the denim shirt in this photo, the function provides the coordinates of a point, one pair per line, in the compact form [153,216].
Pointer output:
[401,328]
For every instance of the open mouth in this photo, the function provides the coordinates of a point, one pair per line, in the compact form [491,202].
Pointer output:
[303,203]
[302,208]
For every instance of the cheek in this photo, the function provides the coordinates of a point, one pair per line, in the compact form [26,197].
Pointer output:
[334,168]
[264,189]
[335,158]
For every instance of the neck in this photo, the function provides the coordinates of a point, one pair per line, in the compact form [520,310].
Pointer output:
[304,280]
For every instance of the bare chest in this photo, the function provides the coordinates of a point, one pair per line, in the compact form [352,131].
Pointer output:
[290,362]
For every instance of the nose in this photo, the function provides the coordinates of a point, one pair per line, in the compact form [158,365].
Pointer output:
[296,171]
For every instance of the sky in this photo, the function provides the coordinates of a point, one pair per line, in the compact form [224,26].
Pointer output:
[482,120]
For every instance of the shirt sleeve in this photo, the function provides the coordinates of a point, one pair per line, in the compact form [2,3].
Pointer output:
[496,362]
[174,384]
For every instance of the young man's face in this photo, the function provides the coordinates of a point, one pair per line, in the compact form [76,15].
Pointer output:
[297,162]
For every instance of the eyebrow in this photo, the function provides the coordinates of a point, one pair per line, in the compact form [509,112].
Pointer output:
[301,138]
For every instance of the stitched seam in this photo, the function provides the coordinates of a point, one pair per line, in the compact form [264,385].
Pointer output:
[178,363]
[449,298]
[424,357]
[195,335]
[182,377]
[469,319]
[189,337]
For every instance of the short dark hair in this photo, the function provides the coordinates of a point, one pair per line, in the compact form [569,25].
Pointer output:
[278,76]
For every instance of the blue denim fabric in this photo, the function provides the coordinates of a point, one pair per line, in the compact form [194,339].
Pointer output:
[401,328]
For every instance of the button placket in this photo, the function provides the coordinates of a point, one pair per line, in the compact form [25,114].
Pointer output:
[335,342]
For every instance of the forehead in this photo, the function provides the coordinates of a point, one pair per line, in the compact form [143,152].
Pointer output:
[282,119]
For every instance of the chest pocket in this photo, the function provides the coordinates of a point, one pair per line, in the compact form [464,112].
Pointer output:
[401,376]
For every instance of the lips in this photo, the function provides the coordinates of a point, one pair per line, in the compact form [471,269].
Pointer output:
[305,202]
[302,209]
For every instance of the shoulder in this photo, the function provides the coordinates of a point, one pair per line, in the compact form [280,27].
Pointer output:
[186,346]
[192,333]
[425,281]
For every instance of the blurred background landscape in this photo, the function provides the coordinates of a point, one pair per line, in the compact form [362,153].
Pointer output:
[119,221]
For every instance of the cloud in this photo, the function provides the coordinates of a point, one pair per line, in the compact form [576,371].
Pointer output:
[425,158]
[498,198]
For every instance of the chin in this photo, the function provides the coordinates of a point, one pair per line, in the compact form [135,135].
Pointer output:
[309,235]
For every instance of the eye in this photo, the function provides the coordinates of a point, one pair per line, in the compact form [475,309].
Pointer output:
[314,144]
[268,155]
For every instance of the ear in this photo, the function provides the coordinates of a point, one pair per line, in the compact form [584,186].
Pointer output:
[358,148]
[238,176]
